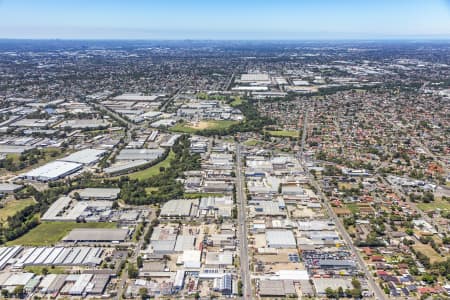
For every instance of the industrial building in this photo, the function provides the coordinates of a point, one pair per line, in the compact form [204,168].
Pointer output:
[8,188]
[99,193]
[53,171]
[280,239]
[97,235]
[85,157]
[59,256]
[178,208]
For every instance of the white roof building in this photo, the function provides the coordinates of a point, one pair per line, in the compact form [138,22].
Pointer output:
[53,171]
[280,239]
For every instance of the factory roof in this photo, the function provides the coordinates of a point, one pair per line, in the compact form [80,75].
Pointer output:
[53,170]
[96,234]
[177,208]
[99,193]
[9,187]
[86,156]
[140,154]
[279,238]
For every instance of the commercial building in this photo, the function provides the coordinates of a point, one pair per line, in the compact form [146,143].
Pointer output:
[8,188]
[85,157]
[280,239]
[178,208]
[99,193]
[97,235]
[53,171]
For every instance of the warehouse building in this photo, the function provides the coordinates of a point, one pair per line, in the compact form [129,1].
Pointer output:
[280,239]
[85,157]
[59,256]
[140,154]
[99,193]
[9,188]
[178,208]
[97,235]
[276,288]
[53,171]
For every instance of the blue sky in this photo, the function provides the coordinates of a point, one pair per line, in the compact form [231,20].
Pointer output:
[231,19]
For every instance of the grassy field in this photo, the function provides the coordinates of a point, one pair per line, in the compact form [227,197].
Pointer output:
[14,206]
[283,133]
[251,142]
[49,233]
[437,203]
[236,101]
[428,251]
[38,270]
[153,170]
[353,207]
[201,195]
[202,125]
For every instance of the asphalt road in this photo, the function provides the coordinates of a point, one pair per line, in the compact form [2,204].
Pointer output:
[378,292]
[136,251]
[242,227]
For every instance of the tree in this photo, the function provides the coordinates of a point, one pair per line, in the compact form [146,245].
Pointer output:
[331,294]
[143,293]
[139,262]
[133,271]
[19,291]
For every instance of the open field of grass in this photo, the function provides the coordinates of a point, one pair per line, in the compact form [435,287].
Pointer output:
[437,203]
[428,251]
[153,170]
[283,133]
[353,207]
[201,195]
[38,270]
[49,233]
[12,207]
[251,142]
[202,125]
[236,101]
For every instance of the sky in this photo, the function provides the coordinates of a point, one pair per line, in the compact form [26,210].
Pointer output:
[225,19]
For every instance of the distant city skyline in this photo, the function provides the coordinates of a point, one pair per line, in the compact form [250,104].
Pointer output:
[251,19]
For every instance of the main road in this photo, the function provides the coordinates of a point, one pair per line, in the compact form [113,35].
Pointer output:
[242,227]
[379,293]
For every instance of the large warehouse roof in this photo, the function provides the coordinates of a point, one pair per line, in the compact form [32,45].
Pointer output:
[53,170]
[99,193]
[140,154]
[96,235]
[177,208]
[280,238]
[86,156]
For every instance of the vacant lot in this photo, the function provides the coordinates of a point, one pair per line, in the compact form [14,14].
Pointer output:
[153,170]
[10,208]
[49,233]
[283,133]
[437,203]
[202,125]
[428,251]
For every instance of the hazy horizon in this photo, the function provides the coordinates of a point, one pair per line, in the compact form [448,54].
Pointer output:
[231,20]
